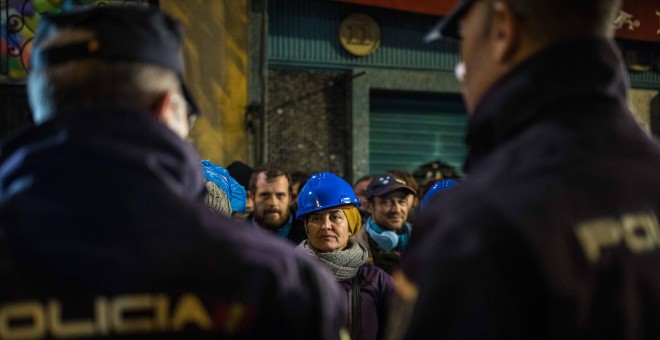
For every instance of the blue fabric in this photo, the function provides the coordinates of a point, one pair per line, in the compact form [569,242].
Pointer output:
[285,230]
[376,233]
[220,176]
[293,229]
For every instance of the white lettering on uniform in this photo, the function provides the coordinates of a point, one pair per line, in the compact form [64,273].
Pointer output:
[70,328]
[123,324]
[161,313]
[639,232]
[101,312]
[32,315]
[123,314]
[190,311]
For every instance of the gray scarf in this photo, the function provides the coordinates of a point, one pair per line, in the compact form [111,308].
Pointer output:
[345,263]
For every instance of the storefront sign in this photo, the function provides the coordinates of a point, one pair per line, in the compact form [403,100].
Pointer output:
[359,34]
[637,20]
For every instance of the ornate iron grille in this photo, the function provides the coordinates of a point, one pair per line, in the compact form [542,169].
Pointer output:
[307,120]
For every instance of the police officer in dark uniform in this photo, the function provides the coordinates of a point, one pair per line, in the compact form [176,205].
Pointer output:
[104,231]
[547,238]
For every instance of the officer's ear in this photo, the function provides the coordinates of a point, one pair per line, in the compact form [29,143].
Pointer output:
[505,31]
[171,109]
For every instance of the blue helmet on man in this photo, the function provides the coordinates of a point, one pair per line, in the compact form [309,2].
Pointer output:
[324,190]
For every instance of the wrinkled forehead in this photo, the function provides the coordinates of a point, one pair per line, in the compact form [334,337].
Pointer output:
[273,184]
[262,177]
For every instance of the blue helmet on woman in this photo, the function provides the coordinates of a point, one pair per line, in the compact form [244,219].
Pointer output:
[322,191]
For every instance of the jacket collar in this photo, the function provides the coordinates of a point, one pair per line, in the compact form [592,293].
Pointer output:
[133,139]
[537,89]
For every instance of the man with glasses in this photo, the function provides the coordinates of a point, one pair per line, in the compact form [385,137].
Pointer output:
[545,239]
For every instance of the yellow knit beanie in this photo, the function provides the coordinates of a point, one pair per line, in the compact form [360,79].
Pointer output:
[353,217]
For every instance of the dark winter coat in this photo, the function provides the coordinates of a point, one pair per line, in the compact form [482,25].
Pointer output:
[554,234]
[375,292]
[104,233]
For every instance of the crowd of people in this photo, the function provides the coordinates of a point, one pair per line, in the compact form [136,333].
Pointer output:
[320,215]
[111,226]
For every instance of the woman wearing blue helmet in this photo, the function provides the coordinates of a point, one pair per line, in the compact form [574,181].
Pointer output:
[328,207]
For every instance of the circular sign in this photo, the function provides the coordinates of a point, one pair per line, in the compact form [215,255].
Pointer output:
[359,34]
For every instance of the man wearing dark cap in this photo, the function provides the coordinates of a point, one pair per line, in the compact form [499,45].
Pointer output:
[544,239]
[103,228]
[386,232]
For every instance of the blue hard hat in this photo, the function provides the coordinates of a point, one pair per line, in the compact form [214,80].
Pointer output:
[322,191]
[438,186]
[221,177]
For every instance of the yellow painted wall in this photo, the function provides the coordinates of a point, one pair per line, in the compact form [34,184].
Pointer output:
[215,50]
[640,103]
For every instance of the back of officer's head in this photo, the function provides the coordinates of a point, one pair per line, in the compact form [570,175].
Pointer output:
[103,58]
[556,20]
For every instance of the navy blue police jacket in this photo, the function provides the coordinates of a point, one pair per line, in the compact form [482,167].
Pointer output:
[554,234]
[104,234]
